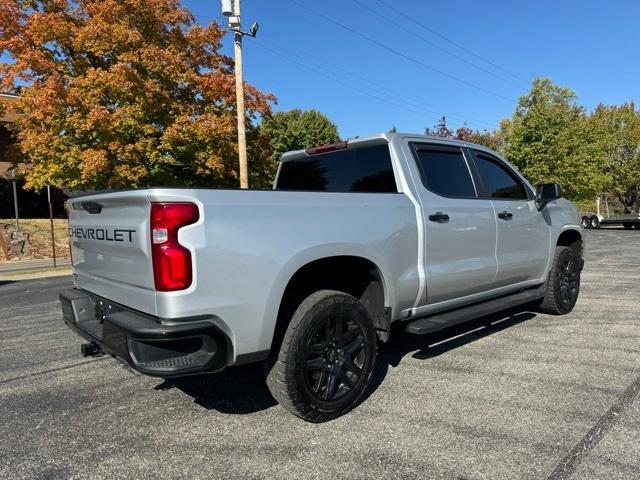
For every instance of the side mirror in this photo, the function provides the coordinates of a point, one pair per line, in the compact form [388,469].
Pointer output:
[547,192]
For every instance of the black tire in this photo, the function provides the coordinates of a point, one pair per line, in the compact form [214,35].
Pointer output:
[627,226]
[586,222]
[563,286]
[637,225]
[595,221]
[326,358]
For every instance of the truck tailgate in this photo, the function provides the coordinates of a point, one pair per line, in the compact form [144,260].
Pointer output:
[111,247]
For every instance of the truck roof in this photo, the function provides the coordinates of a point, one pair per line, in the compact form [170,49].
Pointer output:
[389,137]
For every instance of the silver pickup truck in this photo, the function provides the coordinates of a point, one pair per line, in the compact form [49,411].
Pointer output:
[308,277]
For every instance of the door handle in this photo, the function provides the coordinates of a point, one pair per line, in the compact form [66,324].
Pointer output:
[439,217]
[505,215]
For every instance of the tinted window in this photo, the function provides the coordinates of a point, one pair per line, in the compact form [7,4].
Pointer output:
[366,169]
[499,182]
[444,171]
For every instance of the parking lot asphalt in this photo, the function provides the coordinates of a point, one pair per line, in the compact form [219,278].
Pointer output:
[508,397]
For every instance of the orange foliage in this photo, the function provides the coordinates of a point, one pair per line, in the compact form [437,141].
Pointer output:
[123,93]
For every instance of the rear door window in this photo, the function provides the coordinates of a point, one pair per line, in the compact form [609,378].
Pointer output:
[444,171]
[364,169]
[498,181]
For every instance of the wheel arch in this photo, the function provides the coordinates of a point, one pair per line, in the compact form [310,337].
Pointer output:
[353,274]
[571,238]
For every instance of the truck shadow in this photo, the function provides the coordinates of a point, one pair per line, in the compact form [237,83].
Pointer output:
[242,390]
[424,347]
[236,390]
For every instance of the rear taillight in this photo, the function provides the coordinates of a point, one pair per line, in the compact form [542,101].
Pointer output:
[172,269]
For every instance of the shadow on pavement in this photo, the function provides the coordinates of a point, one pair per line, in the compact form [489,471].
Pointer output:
[237,390]
[6,282]
[242,390]
[432,345]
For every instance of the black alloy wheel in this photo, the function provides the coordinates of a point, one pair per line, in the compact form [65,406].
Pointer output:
[568,281]
[563,285]
[326,359]
[334,358]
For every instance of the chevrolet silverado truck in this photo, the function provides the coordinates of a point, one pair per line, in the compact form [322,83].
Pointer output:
[308,277]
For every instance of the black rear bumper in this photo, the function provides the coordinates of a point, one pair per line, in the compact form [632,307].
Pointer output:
[144,343]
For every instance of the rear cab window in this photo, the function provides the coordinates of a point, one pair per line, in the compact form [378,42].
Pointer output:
[365,169]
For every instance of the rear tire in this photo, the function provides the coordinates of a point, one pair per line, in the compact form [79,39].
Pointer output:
[563,285]
[637,225]
[586,222]
[627,226]
[326,358]
[595,221]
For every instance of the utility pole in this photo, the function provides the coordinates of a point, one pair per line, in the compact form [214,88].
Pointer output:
[242,137]
[231,9]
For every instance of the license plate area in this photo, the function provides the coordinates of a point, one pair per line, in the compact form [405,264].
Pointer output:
[88,312]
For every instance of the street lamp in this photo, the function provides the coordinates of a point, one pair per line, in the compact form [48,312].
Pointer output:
[231,10]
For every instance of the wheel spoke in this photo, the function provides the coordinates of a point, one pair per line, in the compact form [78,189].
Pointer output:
[352,367]
[314,364]
[337,331]
[346,380]
[349,335]
[320,379]
[315,349]
[331,384]
[327,328]
[354,347]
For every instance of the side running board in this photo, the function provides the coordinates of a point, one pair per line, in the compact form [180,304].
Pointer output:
[436,322]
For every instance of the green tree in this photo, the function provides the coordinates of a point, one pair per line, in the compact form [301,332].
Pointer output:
[294,130]
[615,137]
[548,138]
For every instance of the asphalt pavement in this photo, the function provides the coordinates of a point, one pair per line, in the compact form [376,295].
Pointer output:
[526,396]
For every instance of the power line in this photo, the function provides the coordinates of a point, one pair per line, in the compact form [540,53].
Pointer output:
[399,53]
[436,46]
[374,87]
[452,42]
[381,90]
[331,77]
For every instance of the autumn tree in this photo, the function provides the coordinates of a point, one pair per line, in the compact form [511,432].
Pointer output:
[440,130]
[297,129]
[122,93]
[486,138]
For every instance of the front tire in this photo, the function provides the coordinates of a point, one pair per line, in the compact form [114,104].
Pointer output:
[326,358]
[627,226]
[563,286]
[595,221]
[586,222]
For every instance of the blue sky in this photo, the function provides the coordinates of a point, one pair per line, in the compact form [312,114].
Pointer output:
[586,45]
[368,85]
